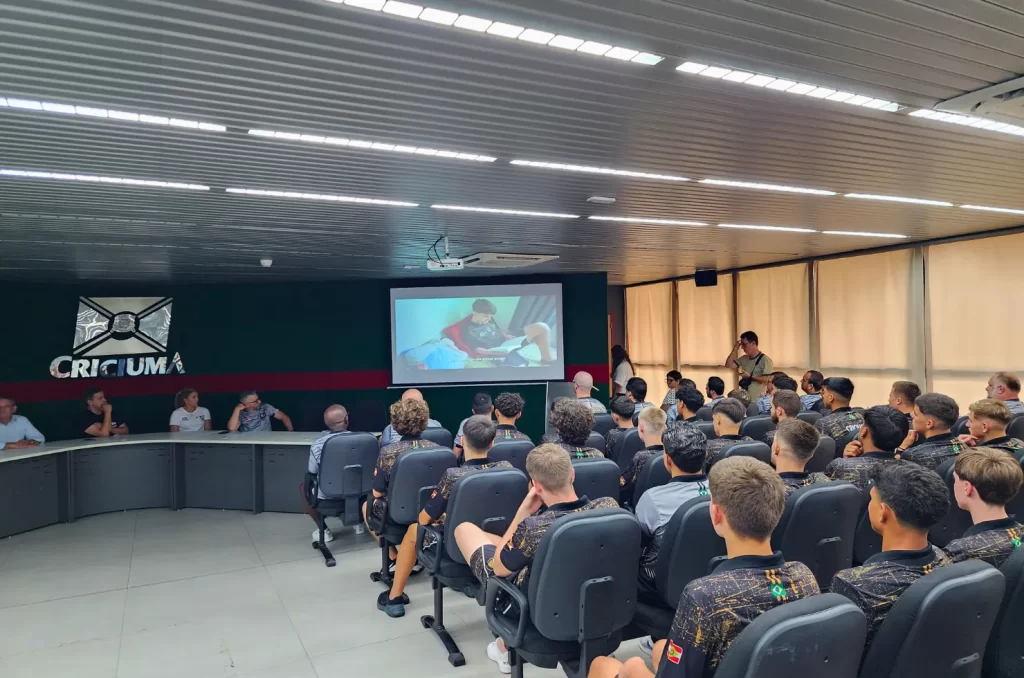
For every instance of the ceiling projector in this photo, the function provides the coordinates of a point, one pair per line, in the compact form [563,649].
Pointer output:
[446,264]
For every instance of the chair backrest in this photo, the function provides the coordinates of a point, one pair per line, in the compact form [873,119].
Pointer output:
[414,476]
[493,493]
[960,427]
[756,427]
[688,547]
[939,626]
[757,450]
[576,553]
[596,478]
[512,451]
[1016,427]
[704,413]
[956,521]
[752,410]
[810,416]
[629,445]
[820,636]
[817,528]
[346,465]
[653,474]
[707,428]
[824,453]
[866,542]
[596,441]
[603,423]
[1016,505]
[844,441]
[441,436]
[1003,658]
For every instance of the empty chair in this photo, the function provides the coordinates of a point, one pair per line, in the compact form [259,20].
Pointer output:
[1016,427]
[755,449]
[512,451]
[603,423]
[580,595]
[756,427]
[345,477]
[817,528]
[810,416]
[960,427]
[956,521]
[704,413]
[752,410]
[596,441]
[629,445]
[939,626]
[820,636]
[1003,658]
[596,478]
[824,453]
[489,499]
[653,474]
[708,428]
[441,436]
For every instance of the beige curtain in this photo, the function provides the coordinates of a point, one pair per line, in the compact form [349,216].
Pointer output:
[775,303]
[649,333]
[704,317]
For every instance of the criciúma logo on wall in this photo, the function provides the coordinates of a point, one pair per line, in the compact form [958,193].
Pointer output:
[119,337]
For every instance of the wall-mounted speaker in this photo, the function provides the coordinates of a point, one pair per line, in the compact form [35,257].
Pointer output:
[706,278]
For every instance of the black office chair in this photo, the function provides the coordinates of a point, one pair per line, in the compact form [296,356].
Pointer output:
[603,423]
[596,478]
[844,441]
[441,436]
[757,450]
[956,521]
[939,626]
[752,410]
[629,445]
[345,478]
[1016,427]
[704,413]
[1003,658]
[959,427]
[824,453]
[580,595]
[756,427]
[512,451]
[810,416]
[413,477]
[653,474]
[817,528]
[820,636]
[596,441]
[1016,505]
[489,499]
[636,418]
[707,428]
[866,542]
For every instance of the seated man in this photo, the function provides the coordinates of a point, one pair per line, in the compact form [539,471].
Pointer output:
[336,420]
[583,387]
[573,422]
[636,391]
[688,401]
[478,435]
[764,403]
[16,431]
[726,415]
[747,501]
[741,395]
[622,415]
[673,412]
[551,496]
[390,435]
[508,407]
[985,480]
[97,420]
[785,405]
[906,501]
[1006,387]
[672,381]
[811,384]
[251,414]
[987,424]
[792,447]
[484,338]
[931,442]
[650,426]
[875,445]
[482,404]
[715,390]
[836,394]
[902,397]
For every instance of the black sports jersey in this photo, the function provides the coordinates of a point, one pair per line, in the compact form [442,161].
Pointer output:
[437,505]
[795,480]
[840,422]
[857,470]
[716,448]
[1012,445]
[629,477]
[506,432]
[389,455]
[992,541]
[580,452]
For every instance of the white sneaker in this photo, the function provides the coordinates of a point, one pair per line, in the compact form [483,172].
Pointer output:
[328,535]
[647,646]
[359,529]
[498,657]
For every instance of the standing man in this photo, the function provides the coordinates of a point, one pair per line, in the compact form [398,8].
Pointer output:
[754,366]
[583,386]
[16,431]
[96,420]
[251,414]
[390,435]
[1006,387]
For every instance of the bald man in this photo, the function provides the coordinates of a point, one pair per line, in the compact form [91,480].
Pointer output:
[583,384]
[336,420]
[389,436]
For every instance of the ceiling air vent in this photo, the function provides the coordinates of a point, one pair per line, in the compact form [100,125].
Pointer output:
[1003,103]
[494,260]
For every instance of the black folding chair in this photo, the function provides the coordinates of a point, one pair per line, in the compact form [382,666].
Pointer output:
[824,453]
[653,474]
[810,416]
[757,427]
[596,478]
[596,441]
[441,436]
[603,423]
[757,450]
[1003,658]
[512,451]
[956,521]
[817,528]
[628,446]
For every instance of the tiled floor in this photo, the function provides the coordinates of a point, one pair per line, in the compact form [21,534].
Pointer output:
[213,594]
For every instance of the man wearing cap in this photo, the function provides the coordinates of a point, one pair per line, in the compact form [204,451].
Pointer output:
[583,384]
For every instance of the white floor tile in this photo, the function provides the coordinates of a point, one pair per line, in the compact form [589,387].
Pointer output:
[60,622]
[83,659]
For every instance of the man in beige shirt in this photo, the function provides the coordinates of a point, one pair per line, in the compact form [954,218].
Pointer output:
[753,366]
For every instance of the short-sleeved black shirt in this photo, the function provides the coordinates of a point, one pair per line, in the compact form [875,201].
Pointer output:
[629,477]
[717,447]
[840,422]
[794,481]
[506,432]
[992,541]
[389,455]
[86,418]
[931,452]
[1012,445]
[437,505]
[578,452]
[857,470]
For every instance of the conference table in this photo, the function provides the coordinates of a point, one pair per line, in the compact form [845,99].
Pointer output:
[60,481]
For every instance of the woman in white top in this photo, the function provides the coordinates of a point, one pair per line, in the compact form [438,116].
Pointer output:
[189,416]
[622,369]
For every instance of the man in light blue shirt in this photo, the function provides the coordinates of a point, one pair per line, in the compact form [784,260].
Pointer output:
[16,431]
[336,420]
[390,435]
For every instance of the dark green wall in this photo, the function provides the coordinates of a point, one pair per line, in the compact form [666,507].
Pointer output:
[298,330]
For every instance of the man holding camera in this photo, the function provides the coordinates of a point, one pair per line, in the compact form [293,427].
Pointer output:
[754,366]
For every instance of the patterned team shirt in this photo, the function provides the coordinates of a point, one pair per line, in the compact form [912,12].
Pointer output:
[507,432]
[629,478]
[769,438]
[857,470]
[876,585]
[840,423]
[717,447]
[794,481]
[437,505]
[931,452]
[713,610]
[992,541]
[389,455]
[613,438]
[1012,445]
[579,452]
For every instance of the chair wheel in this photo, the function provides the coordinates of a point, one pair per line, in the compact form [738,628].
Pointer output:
[427,621]
[375,577]
[457,659]
[316,546]
[331,562]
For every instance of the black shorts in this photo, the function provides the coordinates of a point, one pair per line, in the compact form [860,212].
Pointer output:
[376,510]
[482,562]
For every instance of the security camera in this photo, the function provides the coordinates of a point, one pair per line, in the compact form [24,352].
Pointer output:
[266,263]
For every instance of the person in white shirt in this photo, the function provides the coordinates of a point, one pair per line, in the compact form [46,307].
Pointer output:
[189,416]
[16,431]
[622,369]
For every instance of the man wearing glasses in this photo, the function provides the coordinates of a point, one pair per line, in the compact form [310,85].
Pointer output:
[753,366]
[253,415]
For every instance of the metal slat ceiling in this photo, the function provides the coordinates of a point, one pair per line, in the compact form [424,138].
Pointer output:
[321,68]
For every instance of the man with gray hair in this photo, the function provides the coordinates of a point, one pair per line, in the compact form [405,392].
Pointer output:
[16,431]
[583,385]
[336,421]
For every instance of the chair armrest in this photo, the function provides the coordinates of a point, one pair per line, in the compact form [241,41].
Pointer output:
[597,611]
[309,487]
[495,526]
[496,585]
[431,562]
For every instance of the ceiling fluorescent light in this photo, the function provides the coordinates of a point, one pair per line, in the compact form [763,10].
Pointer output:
[691,67]
[865,234]
[438,16]
[644,220]
[536,37]
[320,196]
[94,112]
[801,88]
[969,121]
[622,54]
[90,178]
[760,80]
[766,187]
[596,170]
[737,76]
[505,30]
[366,4]
[565,42]
[780,84]
[893,198]
[372,145]
[595,48]
[405,9]
[1004,210]
[472,23]
[714,72]
[821,93]
[754,227]
[520,213]
[647,59]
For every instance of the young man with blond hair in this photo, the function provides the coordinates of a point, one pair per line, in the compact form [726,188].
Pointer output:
[985,480]
[651,425]
[986,426]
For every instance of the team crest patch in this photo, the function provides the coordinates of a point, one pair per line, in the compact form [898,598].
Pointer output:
[673,653]
[1016,543]
[778,589]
